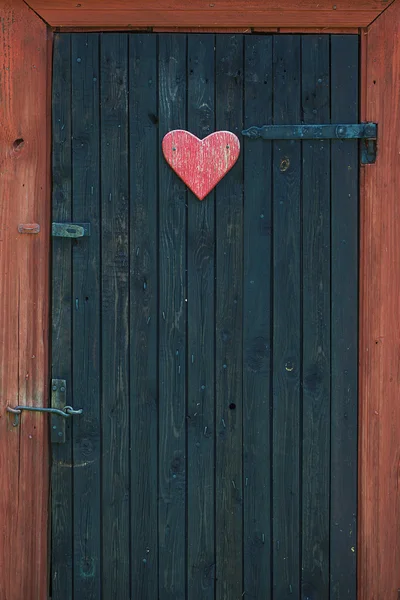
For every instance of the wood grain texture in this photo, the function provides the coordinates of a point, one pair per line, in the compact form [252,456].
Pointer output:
[201,164]
[201,29]
[115,358]
[144,151]
[316,298]
[24,299]
[248,30]
[215,476]
[221,13]
[86,274]
[257,313]
[286,461]
[326,29]
[379,483]
[61,556]
[201,337]
[229,330]
[173,328]
[344,338]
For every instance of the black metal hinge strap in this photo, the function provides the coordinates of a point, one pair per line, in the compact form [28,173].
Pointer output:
[313,132]
[366,132]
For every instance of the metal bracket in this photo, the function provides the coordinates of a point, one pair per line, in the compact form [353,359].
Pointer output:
[368,151]
[59,410]
[366,132]
[70,230]
[58,401]
[29,228]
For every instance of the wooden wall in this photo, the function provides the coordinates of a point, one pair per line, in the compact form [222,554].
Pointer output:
[24,271]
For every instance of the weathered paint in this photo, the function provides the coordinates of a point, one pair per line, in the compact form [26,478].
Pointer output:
[203,13]
[379,450]
[383,35]
[201,164]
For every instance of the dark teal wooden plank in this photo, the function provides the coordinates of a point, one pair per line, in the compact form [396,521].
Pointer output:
[201,334]
[316,322]
[173,326]
[229,329]
[287,326]
[257,321]
[344,338]
[115,505]
[86,315]
[143,151]
[61,584]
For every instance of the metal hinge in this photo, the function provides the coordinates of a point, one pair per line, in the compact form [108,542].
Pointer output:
[366,132]
[70,230]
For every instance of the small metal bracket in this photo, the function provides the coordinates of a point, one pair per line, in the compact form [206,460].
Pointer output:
[70,230]
[29,228]
[366,132]
[368,151]
[58,401]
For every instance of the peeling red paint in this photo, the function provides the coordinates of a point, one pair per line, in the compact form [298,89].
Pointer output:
[201,164]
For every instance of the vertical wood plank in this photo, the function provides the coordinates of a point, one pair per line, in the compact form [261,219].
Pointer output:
[379,495]
[61,469]
[344,307]
[257,321]
[173,324]
[201,334]
[229,315]
[115,505]
[286,327]
[24,298]
[316,321]
[143,149]
[85,301]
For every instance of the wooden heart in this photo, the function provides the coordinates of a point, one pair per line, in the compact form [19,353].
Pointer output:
[201,164]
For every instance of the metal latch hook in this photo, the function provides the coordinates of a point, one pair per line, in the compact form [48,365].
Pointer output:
[65,412]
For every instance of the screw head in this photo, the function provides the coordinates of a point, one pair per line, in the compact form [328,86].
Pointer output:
[59,434]
[54,388]
[369,130]
[62,389]
[54,427]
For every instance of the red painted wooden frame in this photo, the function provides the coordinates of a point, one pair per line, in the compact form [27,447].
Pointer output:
[25,74]
[209,13]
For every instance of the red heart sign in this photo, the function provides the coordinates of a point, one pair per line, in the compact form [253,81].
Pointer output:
[201,164]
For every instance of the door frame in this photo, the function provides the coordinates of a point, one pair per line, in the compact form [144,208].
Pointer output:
[25,190]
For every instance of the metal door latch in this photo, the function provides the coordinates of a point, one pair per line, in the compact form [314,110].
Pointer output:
[70,230]
[59,410]
[366,132]
[67,411]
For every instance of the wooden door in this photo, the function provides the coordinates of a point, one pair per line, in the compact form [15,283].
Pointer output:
[211,345]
